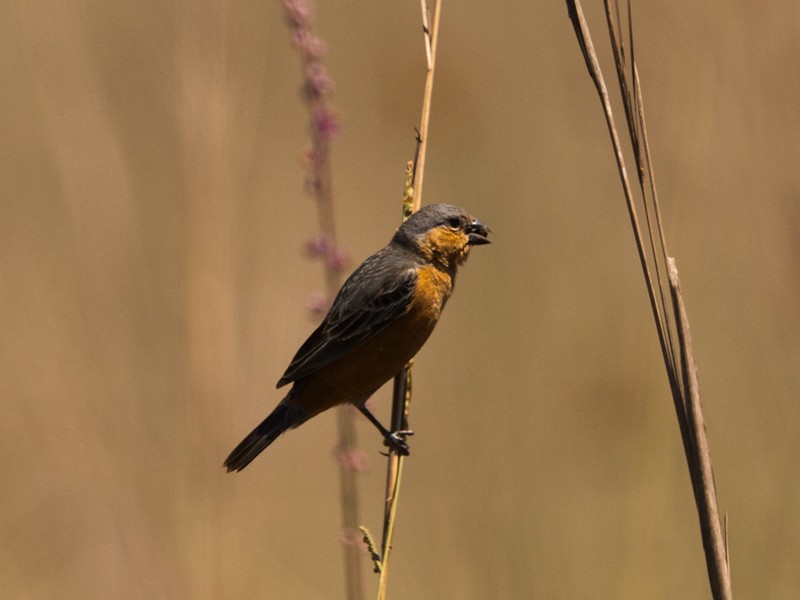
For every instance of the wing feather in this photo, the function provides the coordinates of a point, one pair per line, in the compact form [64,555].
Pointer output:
[371,298]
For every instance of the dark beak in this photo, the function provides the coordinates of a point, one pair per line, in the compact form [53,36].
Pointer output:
[477,232]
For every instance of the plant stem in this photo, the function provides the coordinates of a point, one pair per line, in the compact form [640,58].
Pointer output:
[682,375]
[401,398]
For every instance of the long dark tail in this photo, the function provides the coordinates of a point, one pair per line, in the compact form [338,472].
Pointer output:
[285,416]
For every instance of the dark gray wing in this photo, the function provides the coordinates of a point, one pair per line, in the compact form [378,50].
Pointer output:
[378,291]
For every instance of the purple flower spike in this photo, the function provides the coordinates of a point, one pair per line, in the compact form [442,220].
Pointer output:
[337,259]
[299,12]
[319,245]
[318,82]
[315,47]
[326,123]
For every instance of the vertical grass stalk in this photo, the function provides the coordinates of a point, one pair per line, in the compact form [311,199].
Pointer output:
[660,274]
[323,127]
[412,200]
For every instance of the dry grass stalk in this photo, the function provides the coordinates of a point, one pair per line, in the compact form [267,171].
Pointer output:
[714,537]
[431,38]
[401,397]
[660,275]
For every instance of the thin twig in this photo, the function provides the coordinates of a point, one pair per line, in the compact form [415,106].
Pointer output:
[433,37]
[412,200]
[401,402]
[371,548]
[427,33]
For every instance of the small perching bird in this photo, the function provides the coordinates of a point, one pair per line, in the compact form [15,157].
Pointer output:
[380,318]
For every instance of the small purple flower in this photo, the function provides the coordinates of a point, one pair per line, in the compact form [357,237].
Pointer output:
[299,39]
[318,83]
[318,303]
[314,47]
[326,123]
[299,12]
[319,245]
[337,259]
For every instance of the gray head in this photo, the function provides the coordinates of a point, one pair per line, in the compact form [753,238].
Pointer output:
[442,233]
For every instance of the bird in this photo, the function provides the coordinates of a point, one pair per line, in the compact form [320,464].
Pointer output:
[378,321]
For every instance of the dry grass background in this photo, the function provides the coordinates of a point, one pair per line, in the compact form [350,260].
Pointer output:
[152,290]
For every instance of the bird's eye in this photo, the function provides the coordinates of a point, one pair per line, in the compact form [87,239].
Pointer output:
[454,223]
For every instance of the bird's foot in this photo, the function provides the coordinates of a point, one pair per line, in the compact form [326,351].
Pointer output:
[397,441]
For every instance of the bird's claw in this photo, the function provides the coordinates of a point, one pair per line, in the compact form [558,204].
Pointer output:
[397,441]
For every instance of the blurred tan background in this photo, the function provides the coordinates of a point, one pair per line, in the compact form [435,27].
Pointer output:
[153,289]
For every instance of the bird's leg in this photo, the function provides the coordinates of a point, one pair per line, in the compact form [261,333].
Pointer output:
[395,439]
